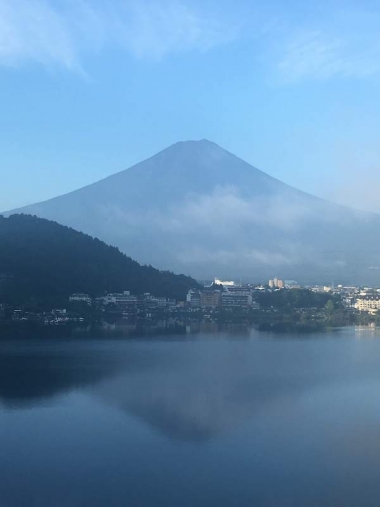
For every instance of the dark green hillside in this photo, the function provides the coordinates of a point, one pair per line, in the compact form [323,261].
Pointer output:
[45,262]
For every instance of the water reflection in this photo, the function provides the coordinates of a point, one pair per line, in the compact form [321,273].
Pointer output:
[191,391]
[190,422]
[33,373]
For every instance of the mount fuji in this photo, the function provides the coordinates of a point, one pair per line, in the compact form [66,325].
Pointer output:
[196,208]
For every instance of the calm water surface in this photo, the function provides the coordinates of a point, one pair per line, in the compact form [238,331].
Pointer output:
[214,420]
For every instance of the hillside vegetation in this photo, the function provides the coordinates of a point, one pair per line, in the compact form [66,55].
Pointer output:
[45,262]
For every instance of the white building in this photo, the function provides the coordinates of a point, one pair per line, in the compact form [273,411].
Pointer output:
[224,283]
[276,283]
[369,304]
[237,297]
[123,299]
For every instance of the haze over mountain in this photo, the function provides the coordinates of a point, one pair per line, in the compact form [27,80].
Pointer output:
[198,209]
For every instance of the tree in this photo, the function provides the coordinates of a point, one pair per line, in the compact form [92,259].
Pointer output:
[330,307]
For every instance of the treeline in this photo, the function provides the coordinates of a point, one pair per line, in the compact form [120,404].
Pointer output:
[297,298]
[42,263]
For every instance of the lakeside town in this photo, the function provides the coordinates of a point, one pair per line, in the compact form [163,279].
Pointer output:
[279,304]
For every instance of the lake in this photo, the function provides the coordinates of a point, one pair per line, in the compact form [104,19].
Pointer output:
[223,419]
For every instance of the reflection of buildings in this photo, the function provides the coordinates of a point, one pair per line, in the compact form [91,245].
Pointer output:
[211,327]
[80,298]
[5,280]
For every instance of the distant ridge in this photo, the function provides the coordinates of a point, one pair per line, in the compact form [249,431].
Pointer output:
[196,208]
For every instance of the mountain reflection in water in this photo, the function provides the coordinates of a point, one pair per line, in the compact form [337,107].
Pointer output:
[191,420]
[186,391]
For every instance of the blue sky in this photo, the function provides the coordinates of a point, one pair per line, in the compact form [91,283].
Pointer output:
[89,88]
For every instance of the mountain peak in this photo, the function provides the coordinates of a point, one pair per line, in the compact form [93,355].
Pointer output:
[195,152]
[195,145]
[204,142]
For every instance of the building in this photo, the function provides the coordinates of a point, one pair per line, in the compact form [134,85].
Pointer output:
[276,284]
[124,301]
[193,298]
[211,299]
[234,297]
[348,302]
[149,302]
[162,302]
[369,304]
[224,283]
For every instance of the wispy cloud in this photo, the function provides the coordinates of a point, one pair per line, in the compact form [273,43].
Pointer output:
[345,45]
[316,55]
[230,256]
[50,32]
[297,47]
[225,213]
[33,30]
[157,28]
[228,229]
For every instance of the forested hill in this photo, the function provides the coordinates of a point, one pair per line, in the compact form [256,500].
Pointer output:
[46,262]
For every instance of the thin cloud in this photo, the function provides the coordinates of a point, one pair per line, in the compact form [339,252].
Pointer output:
[346,45]
[61,33]
[315,55]
[228,257]
[312,55]
[154,29]
[49,33]
[33,30]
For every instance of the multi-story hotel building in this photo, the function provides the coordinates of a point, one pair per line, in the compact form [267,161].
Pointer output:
[370,304]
